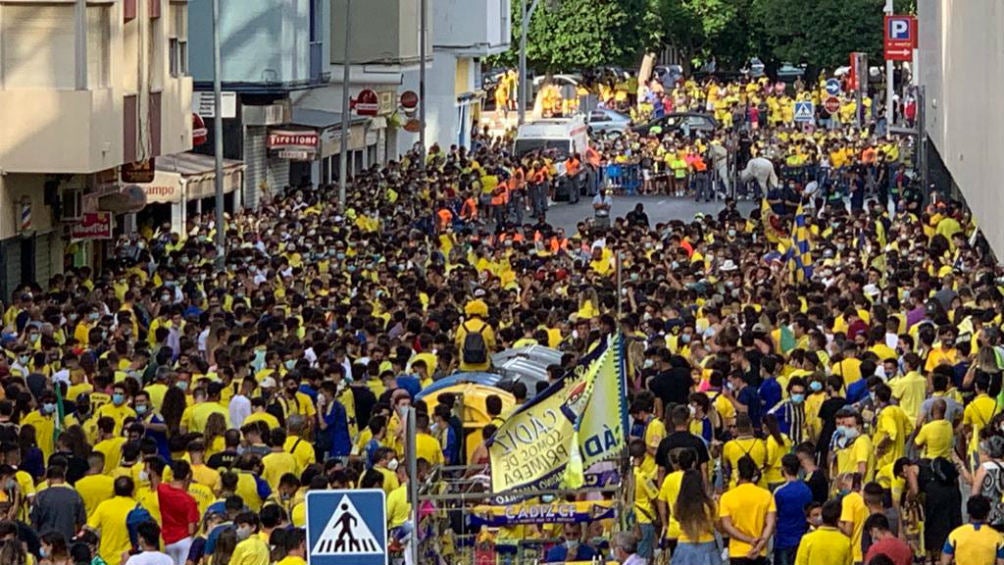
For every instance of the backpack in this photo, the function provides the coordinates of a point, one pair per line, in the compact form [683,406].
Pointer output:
[475,351]
[134,518]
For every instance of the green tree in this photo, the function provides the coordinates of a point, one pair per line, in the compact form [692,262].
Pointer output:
[567,35]
[819,32]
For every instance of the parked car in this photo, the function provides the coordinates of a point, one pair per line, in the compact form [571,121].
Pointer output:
[755,68]
[789,72]
[677,121]
[603,121]
[668,75]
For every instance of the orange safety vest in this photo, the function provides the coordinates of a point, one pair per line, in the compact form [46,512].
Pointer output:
[519,178]
[500,195]
[445,217]
[469,211]
[572,167]
[593,156]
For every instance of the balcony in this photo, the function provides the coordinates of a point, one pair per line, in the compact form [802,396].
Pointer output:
[384,32]
[472,28]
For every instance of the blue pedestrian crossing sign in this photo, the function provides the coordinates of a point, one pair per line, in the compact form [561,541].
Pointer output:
[805,111]
[832,86]
[346,527]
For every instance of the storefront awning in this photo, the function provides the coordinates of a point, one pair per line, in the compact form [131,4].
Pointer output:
[189,176]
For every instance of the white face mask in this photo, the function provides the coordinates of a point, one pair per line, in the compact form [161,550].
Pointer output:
[392,464]
[243,533]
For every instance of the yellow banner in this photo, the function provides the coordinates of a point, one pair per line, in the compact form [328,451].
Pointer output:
[541,513]
[566,428]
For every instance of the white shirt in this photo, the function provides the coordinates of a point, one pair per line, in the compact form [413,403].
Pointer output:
[150,558]
[240,408]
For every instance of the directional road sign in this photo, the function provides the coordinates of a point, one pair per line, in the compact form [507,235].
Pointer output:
[832,86]
[805,111]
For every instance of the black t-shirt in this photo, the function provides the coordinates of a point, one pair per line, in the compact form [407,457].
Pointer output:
[827,415]
[364,400]
[819,486]
[223,459]
[680,440]
[672,386]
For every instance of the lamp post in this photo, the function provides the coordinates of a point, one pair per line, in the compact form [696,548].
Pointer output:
[343,145]
[221,235]
[524,24]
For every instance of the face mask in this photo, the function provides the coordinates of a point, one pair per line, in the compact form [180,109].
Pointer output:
[24,359]
[850,433]
[571,544]
[816,386]
[685,338]
[140,408]
[392,464]
[243,533]
[93,316]
[118,399]
[183,385]
[693,411]
[44,552]
[732,233]
[649,363]
[11,484]
[144,476]
[34,337]
[290,364]
[48,408]
[797,398]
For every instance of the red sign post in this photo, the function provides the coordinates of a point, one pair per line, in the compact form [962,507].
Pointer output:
[900,37]
[367,104]
[831,105]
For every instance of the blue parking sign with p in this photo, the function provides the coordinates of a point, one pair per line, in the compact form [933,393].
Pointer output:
[346,527]
[899,28]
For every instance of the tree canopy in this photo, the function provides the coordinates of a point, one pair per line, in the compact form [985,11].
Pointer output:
[566,35]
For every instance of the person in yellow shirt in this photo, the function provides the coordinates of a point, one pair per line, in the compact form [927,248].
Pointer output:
[853,450]
[937,436]
[117,410]
[910,389]
[827,544]
[110,444]
[96,486]
[295,544]
[748,514]
[853,512]
[645,495]
[298,447]
[398,507]
[109,518]
[669,493]
[745,444]
[654,432]
[43,420]
[385,463]
[201,411]
[251,549]
[892,427]
[427,447]
[279,461]
[977,415]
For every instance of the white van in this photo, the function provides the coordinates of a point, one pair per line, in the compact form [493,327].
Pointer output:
[563,136]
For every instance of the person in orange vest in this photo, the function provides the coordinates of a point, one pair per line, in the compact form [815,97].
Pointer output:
[595,162]
[444,216]
[702,177]
[573,176]
[538,188]
[500,200]
[469,210]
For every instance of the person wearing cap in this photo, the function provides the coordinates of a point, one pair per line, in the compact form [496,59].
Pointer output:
[475,339]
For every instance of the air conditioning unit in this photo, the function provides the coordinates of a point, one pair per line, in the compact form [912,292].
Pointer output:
[72,205]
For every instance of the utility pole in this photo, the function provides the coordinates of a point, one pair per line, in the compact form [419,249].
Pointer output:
[221,234]
[524,23]
[890,113]
[343,145]
[423,47]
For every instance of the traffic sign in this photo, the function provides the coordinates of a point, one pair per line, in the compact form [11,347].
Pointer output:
[832,86]
[900,37]
[367,104]
[805,111]
[346,527]
[831,105]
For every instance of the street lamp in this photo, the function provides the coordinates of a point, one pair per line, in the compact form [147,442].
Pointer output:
[524,23]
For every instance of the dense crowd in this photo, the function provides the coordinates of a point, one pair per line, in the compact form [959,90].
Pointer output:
[166,411]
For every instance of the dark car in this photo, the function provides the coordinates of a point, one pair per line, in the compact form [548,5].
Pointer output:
[680,121]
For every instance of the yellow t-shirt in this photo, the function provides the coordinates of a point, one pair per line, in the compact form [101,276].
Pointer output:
[277,464]
[736,449]
[109,520]
[252,551]
[668,494]
[747,506]
[301,449]
[398,508]
[978,414]
[937,438]
[860,451]
[911,391]
[893,423]
[853,510]
[93,490]
[645,493]
[825,545]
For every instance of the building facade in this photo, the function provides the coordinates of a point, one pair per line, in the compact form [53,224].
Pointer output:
[961,52]
[75,109]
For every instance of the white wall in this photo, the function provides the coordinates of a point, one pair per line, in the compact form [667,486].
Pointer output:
[962,69]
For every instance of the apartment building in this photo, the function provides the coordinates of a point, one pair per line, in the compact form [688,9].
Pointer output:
[91,93]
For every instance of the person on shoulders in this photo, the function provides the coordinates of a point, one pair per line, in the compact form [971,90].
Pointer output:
[827,545]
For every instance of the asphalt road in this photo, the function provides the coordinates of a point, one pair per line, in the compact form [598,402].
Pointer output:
[660,208]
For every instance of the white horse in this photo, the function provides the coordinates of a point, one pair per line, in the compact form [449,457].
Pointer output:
[761,169]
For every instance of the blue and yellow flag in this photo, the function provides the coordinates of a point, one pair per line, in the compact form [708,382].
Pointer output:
[799,254]
[551,441]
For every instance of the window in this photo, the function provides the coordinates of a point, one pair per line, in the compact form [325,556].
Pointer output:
[598,116]
[37,46]
[98,38]
[177,42]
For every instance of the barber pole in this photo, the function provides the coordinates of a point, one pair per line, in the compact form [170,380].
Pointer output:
[26,215]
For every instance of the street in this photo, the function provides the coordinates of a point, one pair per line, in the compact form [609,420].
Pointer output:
[660,208]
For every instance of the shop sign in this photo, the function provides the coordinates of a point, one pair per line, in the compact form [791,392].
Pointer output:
[92,225]
[138,172]
[288,139]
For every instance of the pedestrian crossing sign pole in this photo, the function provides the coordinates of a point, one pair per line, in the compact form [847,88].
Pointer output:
[347,527]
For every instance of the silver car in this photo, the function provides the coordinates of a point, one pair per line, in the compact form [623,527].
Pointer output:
[602,121]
